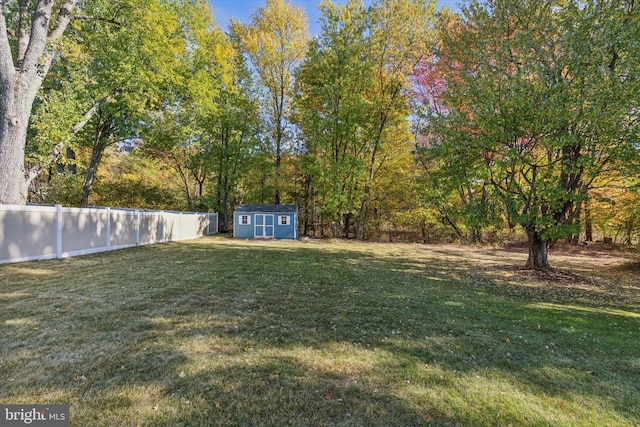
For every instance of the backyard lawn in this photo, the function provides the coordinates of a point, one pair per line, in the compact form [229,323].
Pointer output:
[223,332]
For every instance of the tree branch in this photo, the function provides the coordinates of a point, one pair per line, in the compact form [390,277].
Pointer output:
[23,35]
[38,37]
[6,60]
[112,21]
[35,170]
[64,17]
[94,108]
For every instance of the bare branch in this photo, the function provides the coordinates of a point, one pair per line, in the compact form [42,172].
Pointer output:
[112,21]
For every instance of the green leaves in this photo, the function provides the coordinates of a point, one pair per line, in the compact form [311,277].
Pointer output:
[276,42]
[351,104]
[539,95]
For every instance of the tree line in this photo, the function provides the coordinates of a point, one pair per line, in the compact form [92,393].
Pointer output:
[510,116]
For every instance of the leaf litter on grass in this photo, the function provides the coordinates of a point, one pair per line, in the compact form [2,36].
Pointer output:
[395,334]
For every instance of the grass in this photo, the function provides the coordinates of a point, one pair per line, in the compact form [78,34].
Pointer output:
[240,333]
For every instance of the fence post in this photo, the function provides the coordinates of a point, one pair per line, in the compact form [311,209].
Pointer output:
[108,229]
[162,227]
[137,219]
[59,231]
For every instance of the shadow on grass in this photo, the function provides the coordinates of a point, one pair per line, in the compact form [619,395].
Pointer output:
[217,332]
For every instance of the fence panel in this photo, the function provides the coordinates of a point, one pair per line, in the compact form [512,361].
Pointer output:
[30,233]
[84,231]
[123,228]
[151,228]
[39,242]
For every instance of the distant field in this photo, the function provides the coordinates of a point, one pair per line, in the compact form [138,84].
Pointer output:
[221,332]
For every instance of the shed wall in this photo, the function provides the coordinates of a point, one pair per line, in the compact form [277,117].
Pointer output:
[289,231]
[243,231]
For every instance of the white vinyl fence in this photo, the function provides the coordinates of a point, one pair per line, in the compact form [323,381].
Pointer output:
[43,232]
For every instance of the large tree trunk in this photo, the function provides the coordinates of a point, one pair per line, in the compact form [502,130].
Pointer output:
[538,251]
[16,108]
[21,81]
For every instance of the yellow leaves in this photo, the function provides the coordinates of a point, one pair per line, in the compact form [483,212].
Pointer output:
[275,41]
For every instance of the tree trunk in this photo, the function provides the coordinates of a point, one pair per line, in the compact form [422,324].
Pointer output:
[335,228]
[225,212]
[14,182]
[104,129]
[476,235]
[362,217]
[21,81]
[92,172]
[588,223]
[226,191]
[538,251]
[307,209]
[347,225]
[573,217]
[184,176]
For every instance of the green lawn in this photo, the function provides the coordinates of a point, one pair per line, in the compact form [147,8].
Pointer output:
[241,333]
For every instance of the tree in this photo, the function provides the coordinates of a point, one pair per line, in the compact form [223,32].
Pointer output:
[184,128]
[133,180]
[353,104]
[231,134]
[331,109]
[540,100]
[29,32]
[148,48]
[276,41]
[116,70]
[401,35]
[455,191]
[170,136]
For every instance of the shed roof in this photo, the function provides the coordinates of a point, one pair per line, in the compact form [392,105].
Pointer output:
[267,208]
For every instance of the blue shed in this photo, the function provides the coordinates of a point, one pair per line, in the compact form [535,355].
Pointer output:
[277,221]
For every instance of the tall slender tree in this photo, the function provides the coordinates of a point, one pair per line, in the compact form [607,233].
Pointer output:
[402,33]
[231,135]
[331,108]
[353,106]
[276,41]
[185,128]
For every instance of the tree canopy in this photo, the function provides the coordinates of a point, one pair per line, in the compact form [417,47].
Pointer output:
[539,102]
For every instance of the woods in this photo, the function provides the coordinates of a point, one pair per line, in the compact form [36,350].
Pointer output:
[507,118]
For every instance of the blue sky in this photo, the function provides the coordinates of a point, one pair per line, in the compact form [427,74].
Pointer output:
[242,10]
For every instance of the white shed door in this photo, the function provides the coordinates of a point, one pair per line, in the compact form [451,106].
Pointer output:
[263,225]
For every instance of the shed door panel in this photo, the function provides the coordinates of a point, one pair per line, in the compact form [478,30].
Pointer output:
[268,225]
[264,225]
